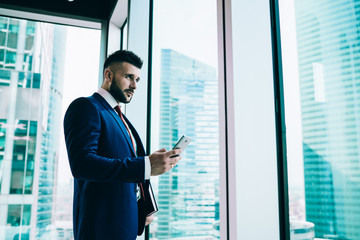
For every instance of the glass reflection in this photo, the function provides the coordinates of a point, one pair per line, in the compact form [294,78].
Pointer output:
[323,201]
[185,101]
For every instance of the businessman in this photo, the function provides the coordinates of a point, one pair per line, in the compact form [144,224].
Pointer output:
[107,158]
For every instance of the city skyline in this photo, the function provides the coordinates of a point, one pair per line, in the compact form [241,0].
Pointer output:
[30,93]
[187,199]
[322,121]
[328,53]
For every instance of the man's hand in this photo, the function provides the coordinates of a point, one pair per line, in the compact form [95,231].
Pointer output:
[161,160]
[149,219]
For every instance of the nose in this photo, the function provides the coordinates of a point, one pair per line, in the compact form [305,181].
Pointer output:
[133,85]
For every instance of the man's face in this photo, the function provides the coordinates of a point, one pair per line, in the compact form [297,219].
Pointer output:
[124,80]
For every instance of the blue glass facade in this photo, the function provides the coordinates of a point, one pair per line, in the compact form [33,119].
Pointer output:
[328,41]
[30,110]
[188,195]
[49,153]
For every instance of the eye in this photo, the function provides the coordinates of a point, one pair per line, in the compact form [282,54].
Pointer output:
[132,78]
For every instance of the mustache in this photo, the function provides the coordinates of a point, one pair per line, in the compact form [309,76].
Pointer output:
[129,90]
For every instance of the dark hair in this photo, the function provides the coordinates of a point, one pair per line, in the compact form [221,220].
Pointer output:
[123,56]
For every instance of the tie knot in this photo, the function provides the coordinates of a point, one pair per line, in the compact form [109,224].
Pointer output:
[117,109]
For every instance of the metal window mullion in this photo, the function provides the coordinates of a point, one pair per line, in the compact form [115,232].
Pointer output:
[280,122]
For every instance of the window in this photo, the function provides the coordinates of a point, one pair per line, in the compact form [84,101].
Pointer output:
[185,101]
[23,157]
[321,43]
[124,35]
[40,66]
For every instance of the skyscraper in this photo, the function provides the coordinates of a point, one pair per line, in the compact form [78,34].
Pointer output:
[49,153]
[29,98]
[329,64]
[188,195]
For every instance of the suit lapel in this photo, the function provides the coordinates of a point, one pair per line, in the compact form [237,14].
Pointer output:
[140,147]
[116,118]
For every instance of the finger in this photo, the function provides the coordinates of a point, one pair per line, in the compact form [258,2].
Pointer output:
[173,152]
[149,219]
[176,160]
[162,150]
[178,150]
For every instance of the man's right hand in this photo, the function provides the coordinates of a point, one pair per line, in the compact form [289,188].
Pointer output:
[161,160]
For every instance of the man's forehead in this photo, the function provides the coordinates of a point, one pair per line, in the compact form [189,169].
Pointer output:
[124,66]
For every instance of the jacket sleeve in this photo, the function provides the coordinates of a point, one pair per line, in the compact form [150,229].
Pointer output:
[82,128]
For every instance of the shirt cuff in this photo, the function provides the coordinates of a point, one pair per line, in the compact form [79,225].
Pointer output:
[147,168]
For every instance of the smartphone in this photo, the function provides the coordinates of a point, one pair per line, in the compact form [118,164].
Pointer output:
[181,143]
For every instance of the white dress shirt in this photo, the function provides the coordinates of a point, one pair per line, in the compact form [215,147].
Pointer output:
[113,103]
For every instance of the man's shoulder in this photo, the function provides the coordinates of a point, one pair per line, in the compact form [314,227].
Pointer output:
[84,103]
[92,100]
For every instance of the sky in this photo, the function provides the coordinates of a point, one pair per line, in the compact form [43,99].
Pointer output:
[80,79]
[187,26]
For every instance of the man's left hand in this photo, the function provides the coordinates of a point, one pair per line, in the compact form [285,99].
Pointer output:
[149,219]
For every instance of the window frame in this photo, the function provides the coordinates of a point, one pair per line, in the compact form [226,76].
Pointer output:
[284,218]
[227,61]
[228,200]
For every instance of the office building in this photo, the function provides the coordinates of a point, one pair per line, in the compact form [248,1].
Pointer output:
[188,203]
[30,93]
[328,52]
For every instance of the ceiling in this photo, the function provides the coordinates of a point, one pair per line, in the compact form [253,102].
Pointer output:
[78,9]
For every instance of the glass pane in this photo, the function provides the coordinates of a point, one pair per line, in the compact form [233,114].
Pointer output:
[2,144]
[321,57]
[124,36]
[36,59]
[14,215]
[18,220]
[18,158]
[10,59]
[185,101]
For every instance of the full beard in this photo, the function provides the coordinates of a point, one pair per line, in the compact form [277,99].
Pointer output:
[118,94]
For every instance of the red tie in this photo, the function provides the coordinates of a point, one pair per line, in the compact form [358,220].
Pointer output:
[118,110]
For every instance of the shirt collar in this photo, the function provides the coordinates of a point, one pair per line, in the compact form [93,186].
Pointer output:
[108,97]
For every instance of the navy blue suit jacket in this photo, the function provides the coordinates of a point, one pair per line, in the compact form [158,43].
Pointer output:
[105,168]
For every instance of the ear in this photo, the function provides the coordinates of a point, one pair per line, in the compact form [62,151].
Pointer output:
[108,75]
